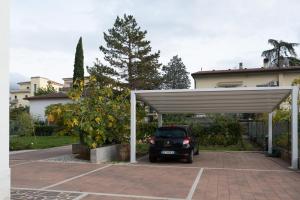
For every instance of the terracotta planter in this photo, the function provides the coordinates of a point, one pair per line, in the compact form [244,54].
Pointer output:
[124,152]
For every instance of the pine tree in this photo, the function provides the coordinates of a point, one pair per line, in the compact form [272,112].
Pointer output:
[104,74]
[129,53]
[175,75]
[78,73]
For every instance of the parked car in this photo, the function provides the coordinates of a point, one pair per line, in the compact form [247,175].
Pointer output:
[173,142]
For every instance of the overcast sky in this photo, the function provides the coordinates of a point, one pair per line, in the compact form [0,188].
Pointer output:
[207,34]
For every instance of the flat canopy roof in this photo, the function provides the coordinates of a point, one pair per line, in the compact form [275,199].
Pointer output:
[215,100]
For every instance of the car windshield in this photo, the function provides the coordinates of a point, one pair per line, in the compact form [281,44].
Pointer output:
[170,133]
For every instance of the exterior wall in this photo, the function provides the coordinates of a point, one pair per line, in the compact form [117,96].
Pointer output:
[38,106]
[39,82]
[67,83]
[19,101]
[24,86]
[247,79]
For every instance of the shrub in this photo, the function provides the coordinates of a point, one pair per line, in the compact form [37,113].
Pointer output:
[99,115]
[44,130]
[283,141]
[145,131]
[22,125]
[223,130]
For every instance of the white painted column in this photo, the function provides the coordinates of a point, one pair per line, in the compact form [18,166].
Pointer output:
[4,101]
[160,120]
[270,130]
[133,127]
[294,128]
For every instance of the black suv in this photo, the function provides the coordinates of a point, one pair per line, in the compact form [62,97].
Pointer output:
[173,141]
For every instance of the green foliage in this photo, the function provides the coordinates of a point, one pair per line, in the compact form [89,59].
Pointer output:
[14,112]
[129,53]
[175,75]
[22,125]
[102,116]
[44,130]
[222,131]
[49,89]
[39,142]
[281,50]
[104,74]
[282,141]
[78,73]
[145,131]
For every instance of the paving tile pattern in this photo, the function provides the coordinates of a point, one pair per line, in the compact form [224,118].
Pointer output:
[248,185]
[41,195]
[135,180]
[234,160]
[41,174]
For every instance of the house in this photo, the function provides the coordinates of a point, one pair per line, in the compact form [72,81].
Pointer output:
[68,83]
[28,88]
[243,77]
[38,104]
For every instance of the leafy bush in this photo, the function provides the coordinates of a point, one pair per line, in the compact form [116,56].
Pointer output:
[22,125]
[44,130]
[99,115]
[283,141]
[145,131]
[223,130]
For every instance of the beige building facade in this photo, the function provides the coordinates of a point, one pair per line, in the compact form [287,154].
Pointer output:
[254,77]
[28,88]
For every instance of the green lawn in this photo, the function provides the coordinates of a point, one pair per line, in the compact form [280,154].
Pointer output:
[39,142]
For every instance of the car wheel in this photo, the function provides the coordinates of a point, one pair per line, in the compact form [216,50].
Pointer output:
[152,159]
[191,157]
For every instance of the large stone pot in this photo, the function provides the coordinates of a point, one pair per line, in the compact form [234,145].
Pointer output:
[104,154]
[124,152]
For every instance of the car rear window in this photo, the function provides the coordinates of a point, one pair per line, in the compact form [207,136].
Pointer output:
[170,133]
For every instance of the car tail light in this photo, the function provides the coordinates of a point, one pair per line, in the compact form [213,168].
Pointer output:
[186,141]
[152,140]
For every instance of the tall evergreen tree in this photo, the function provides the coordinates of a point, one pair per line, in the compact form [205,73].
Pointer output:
[129,53]
[280,51]
[175,75]
[78,72]
[104,74]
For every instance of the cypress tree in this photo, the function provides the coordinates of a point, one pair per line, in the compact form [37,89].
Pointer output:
[78,72]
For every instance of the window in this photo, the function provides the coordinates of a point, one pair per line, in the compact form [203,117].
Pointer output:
[27,87]
[16,97]
[26,96]
[34,87]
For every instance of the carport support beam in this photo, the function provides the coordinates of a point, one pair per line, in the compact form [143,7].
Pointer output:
[159,119]
[133,127]
[270,126]
[294,124]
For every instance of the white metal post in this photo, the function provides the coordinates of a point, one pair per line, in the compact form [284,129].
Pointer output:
[4,101]
[133,127]
[270,128]
[160,120]
[294,125]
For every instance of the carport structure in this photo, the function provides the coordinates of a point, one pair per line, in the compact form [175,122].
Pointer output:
[219,100]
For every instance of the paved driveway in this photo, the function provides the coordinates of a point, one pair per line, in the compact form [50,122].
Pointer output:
[213,175]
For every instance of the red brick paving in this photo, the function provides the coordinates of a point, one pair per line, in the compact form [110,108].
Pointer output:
[262,178]
[246,185]
[235,160]
[41,174]
[136,180]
